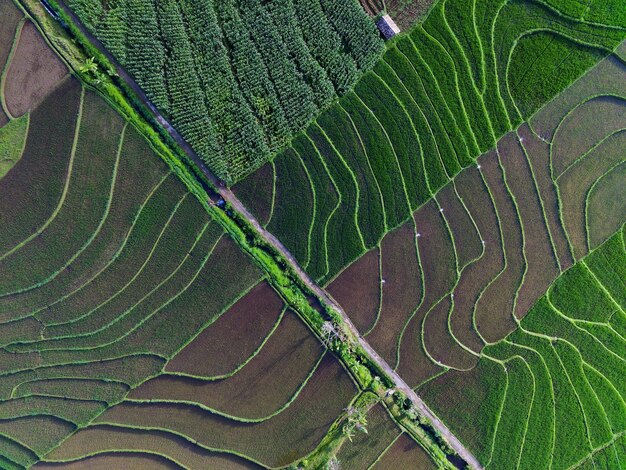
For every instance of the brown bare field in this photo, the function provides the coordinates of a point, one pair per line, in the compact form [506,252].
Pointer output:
[357,289]
[33,73]
[25,207]
[129,195]
[257,191]
[364,449]
[438,341]
[494,308]
[582,129]
[606,78]
[576,182]
[232,338]
[538,154]
[118,460]
[542,265]
[260,388]
[102,438]
[476,197]
[401,288]
[407,13]
[405,453]
[436,251]
[294,433]
[466,239]
[11,16]
[606,206]
[415,366]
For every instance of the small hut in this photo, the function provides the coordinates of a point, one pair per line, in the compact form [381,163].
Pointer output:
[388,28]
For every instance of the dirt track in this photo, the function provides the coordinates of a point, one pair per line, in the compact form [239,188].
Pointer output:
[237,205]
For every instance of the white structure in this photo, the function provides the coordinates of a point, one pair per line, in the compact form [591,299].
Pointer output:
[387,26]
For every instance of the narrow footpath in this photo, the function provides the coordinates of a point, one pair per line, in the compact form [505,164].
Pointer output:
[237,205]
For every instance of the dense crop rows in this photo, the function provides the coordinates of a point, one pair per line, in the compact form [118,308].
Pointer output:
[442,95]
[237,78]
[552,393]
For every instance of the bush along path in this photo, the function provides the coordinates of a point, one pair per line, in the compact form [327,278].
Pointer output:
[88,60]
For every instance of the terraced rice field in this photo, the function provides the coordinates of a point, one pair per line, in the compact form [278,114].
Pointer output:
[551,394]
[446,283]
[437,289]
[118,292]
[288,392]
[443,94]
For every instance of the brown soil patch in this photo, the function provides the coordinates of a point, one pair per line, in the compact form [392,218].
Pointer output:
[232,338]
[438,341]
[466,239]
[293,433]
[357,289]
[538,154]
[405,453]
[584,127]
[415,366]
[438,267]
[108,461]
[264,384]
[11,16]
[34,72]
[436,251]
[494,309]
[407,13]
[477,199]
[401,288]
[364,449]
[542,265]
[437,261]
[25,207]
[102,438]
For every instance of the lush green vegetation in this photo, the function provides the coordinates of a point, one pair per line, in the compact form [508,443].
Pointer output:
[237,78]
[146,269]
[12,141]
[559,399]
[442,94]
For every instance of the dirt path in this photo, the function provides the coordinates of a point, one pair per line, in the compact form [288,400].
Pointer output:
[237,205]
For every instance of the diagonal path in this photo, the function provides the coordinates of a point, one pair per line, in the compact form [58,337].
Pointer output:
[237,205]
